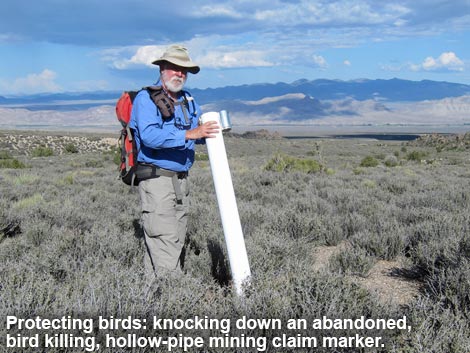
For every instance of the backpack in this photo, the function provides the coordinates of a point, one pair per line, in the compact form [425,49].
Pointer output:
[127,145]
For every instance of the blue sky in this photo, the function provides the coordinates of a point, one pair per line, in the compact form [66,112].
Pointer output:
[82,45]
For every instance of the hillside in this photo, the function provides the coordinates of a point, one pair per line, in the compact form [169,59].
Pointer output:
[318,102]
[322,89]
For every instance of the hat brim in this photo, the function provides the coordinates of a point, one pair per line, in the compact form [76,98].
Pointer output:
[191,67]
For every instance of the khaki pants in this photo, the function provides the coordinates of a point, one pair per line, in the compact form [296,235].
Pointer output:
[165,223]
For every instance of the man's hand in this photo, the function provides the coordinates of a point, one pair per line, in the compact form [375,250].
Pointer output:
[206,130]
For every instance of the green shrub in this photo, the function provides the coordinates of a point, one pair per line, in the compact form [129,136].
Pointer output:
[369,161]
[8,162]
[11,164]
[416,156]
[42,152]
[5,155]
[67,180]
[28,202]
[71,148]
[26,179]
[201,156]
[115,152]
[94,164]
[284,163]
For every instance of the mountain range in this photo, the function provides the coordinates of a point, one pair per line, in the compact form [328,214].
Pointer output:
[360,89]
[322,101]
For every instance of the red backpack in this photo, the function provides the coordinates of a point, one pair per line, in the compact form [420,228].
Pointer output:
[127,146]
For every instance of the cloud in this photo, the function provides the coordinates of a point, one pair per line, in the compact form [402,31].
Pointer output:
[208,52]
[320,61]
[111,23]
[446,61]
[217,10]
[337,13]
[139,56]
[33,83]
[234,59]
[346,63]
[285,34]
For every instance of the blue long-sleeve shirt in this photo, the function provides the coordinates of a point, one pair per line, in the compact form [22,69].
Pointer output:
[163,142]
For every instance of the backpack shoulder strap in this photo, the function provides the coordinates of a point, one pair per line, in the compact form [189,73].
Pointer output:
[163,102]
[187,97]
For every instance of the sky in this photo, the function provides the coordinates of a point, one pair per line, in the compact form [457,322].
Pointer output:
[86,45]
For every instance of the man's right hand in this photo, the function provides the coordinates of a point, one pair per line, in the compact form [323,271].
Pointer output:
[206,130]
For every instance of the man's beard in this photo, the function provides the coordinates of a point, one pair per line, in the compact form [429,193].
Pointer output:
[174,84]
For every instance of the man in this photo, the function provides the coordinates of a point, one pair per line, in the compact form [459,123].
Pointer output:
[165,138]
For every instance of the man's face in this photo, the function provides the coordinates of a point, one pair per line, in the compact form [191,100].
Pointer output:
[173,77]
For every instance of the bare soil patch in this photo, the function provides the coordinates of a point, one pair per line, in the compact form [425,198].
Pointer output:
[388,280]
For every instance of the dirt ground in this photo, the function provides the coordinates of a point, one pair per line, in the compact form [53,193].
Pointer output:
[388,280]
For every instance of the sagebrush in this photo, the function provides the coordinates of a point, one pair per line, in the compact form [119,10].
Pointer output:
[71,243]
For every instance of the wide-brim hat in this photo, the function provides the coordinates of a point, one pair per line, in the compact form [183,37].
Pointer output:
[178,55]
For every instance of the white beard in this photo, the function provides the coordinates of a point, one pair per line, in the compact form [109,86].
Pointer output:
[174,84]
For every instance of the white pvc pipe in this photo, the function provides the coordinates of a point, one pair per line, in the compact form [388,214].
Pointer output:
[236,249]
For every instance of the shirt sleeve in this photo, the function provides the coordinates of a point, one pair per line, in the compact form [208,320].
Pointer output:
[153,131]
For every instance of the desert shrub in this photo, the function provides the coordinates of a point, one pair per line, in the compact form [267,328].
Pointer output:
[441,329]
[114,154]
[91,161]
[385,242]
[94,163]
[8,162]
[201,156]
[5,155]
[28,202]
[71,148]
[11,164]
[285,163]
[369,161]
[10,223]
[26,179]
[42,152]
[353,261]
[36,230]
[67,179]
[416,155]
[369,183]
[73,244]
[358,171]
[391,161]
[379,156]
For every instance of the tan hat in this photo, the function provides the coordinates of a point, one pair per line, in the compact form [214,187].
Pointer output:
[178,55]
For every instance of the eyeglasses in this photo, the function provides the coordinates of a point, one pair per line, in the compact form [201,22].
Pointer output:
[175,68]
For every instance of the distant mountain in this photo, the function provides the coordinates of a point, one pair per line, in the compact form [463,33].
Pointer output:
[304,102]
[60,98]
[294,107]
[389,90]
[386,90]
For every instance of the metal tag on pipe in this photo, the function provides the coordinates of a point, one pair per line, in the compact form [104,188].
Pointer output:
[225,122]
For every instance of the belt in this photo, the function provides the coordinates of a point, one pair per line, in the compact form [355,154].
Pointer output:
[149,171]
